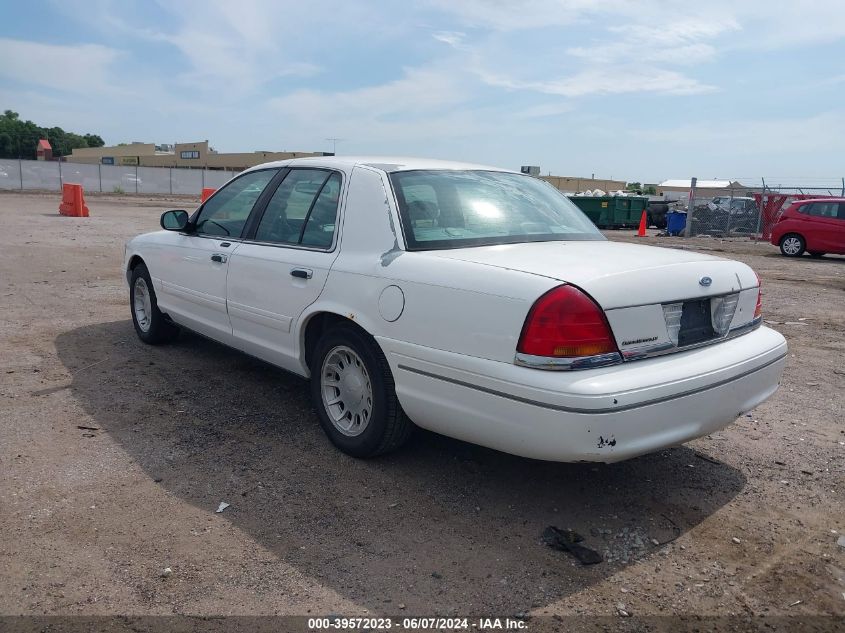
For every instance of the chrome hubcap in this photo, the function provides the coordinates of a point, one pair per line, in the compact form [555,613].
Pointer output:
[347,391]
[792,245]
[142,305]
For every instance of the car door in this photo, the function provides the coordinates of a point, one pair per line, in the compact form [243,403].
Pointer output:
[824,223]
[193,265]
[838,245]
[283,263]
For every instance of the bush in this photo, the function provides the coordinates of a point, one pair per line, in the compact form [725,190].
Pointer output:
[117,189]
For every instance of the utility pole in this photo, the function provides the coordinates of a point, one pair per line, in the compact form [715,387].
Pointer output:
[334,141]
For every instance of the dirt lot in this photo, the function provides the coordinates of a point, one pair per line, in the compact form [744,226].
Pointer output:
[115,456]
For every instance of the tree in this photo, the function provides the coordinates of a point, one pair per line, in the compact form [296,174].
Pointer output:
[19,139]
[94,140]
[6,145]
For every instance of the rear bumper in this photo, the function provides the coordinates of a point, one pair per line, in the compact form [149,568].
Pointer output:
[603,415]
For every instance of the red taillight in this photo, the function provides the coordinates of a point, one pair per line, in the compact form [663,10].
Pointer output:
[758,309]
[565,322]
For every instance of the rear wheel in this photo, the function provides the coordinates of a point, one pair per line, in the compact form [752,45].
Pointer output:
[150,324]
[792,245]
[353,391]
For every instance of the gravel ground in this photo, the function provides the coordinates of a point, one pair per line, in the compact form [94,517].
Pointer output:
[115,456]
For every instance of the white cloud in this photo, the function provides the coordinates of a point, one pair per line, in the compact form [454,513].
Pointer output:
[414,106]
[510,15]
[605,80]
[632,47]
[682,42]
[73,68]
[545,110]
[452,38]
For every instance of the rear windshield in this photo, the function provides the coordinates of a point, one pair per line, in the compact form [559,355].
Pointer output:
[452,209]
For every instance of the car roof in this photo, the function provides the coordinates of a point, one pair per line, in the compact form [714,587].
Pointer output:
[827,199]
[387,164]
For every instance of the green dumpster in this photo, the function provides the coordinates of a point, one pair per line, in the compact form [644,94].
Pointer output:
[612,212]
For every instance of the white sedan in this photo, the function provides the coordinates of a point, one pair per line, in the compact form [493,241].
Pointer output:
[476,302]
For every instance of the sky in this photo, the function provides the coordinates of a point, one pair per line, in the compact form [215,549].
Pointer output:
[641,90]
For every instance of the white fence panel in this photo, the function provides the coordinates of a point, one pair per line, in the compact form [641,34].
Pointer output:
[215,178]
[187,181]
[10,174]
[82,174]
[154,180]
[38,174]
[32,174]
[117,178]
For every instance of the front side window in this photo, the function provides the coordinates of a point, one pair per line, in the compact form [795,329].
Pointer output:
[303,210]
[226,212]
[452,209]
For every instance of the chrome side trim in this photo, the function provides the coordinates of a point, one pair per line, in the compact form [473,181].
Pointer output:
[596,411]
[570,363]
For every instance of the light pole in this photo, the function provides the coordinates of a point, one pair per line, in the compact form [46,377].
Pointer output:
[334,141]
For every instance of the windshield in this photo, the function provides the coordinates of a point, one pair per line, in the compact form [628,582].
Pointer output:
[452,209]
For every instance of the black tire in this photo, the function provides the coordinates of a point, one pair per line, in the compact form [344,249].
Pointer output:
[787,242]
[388,426]
[159,330]
[816,254]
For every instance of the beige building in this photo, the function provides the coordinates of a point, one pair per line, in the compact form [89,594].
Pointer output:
[190,155]
[574,184]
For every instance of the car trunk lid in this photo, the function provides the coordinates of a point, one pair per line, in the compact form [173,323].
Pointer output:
[655,299]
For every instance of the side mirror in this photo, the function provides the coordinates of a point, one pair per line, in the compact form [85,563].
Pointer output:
[176,220]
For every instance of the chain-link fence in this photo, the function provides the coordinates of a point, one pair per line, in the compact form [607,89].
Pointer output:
[730,213]
[51,175]
[746,211]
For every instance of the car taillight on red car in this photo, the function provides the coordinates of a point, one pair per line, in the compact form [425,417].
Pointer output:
[566,323]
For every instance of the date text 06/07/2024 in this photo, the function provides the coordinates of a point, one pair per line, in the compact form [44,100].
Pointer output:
[417,624]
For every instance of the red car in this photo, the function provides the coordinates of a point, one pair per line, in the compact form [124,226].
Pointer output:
[815,226]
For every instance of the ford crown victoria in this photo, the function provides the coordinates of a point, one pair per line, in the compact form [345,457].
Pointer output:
[473,301]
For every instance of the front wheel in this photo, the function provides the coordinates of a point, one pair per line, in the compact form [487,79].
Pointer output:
[353,391]
[149,322]
[792,245]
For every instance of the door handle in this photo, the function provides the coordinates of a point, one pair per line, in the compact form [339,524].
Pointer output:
[220,258]
[302,273]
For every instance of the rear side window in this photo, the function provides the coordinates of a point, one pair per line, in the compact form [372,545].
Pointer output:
[303,210]
[226,212]
[825,209]
[319,228]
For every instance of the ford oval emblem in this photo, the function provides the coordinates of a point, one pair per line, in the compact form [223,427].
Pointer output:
[705,281]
